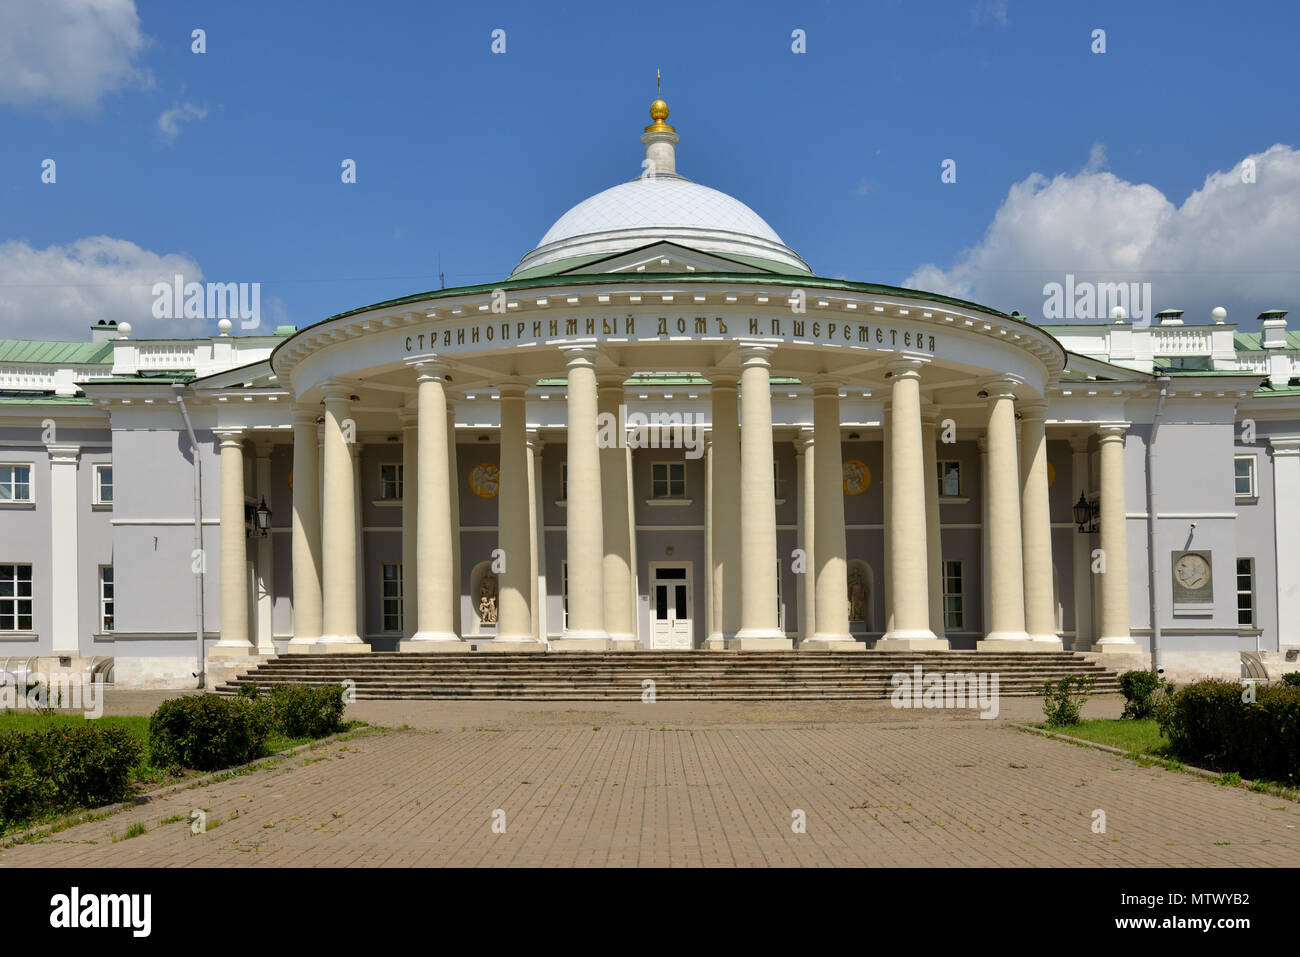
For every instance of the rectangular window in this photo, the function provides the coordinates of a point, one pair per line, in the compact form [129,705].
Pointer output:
[1245,591]
[103,485]
[564,481]
[776,479]
[669,479]
[15,597]
[949,479]
[390,482]
[392,595]
[15,483]
[564,592]
[105,598]
[954,601]
[1243,474]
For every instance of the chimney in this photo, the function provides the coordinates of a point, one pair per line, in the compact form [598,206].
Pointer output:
[104,329]
[1272,325]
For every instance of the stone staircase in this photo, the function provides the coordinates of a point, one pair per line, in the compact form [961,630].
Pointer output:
[681,676]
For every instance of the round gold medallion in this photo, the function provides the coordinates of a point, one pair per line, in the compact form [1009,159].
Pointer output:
[485,480]
[857,477]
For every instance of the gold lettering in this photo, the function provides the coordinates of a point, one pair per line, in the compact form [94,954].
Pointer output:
[722,325]
[570,327]
[701,325]
[473,334]
[663,326]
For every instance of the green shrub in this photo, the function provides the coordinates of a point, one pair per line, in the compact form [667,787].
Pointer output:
[1291,678]
[63,767]
[207,732]
[250,690]
[302,711]
[1062,700]
[1208,723]
[1139,688]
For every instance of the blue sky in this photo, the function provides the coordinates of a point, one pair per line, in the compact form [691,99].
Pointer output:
[229,162]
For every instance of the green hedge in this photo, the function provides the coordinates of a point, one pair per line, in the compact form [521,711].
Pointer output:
[63,767]
[1139,688]
[207,732]
[1208,723]
[301,711]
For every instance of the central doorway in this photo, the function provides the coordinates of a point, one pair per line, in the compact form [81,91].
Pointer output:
[671,607]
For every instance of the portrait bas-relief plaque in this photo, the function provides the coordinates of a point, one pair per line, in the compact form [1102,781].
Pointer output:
[1193,580]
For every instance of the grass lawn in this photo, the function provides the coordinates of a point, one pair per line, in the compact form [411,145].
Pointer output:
[1141,735]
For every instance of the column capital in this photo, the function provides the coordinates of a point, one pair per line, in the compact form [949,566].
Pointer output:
[929,416]
[228,436]
[825,384]
[1079,443]
[1034,410]
[302,415]
[803,441]
[755,353]
[1285,445]
[1112,431]
[536,441]
[409,418]
[64,453]
[611,381]
[724,380]
[512,389]
[580,355]
[430,369]
[906,366]
[336,390]
[999,387]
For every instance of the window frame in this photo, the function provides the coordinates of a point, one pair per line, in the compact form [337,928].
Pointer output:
[107,603]
[399,481]
[11,601]
[668,481]
[959,595]
[940,476]
[1252,477]
[399,614]
[1249,592]
[97,486]
[13,483]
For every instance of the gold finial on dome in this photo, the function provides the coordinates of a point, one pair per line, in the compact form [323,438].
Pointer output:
[659,110]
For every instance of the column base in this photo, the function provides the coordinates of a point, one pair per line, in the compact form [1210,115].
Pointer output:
[915,643]
[502,646]
[1047,642]
[625,643]
[1011,644]
[580,644]
[714,643]
[831,644]
[1126,646]
[449,645]
[220,650]
[759,640]
[300,646]
[339,646]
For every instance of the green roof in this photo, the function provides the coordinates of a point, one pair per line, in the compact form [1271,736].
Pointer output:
[80,353]
[1250,341]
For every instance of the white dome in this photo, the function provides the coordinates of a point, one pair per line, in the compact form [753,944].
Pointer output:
[661,208]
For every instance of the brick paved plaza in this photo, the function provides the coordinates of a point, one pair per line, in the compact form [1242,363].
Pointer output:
[691,784]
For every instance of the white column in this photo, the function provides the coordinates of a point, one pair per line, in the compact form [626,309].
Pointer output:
[234,641]
[933,528]
[63,549]
[339,527]
[453,500]
[1114,631]
[986,604]
[265,558]
[1082,553]
[355,450]
[584,531]
[410,511]
[1036,529]
[830,551]
[805,456]
[619,610]
[537,540]
[514,528]
[710,600]
[724,489]
[908,560]
[1005,562]
[1286,518]
[306,533]
[887,501]
[433,535]
[759,622]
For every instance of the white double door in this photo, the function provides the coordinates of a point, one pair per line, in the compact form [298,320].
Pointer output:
[671,607]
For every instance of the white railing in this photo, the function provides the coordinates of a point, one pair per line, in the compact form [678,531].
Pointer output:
[1180,342]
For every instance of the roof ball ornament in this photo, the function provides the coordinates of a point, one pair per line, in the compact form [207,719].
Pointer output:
[1219,314]
[659,113]
[224,326]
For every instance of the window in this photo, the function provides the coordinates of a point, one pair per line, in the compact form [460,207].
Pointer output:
[954,602]
[15,483]
[564,481]
[776,479]
[392,594]
[15,597]
[390,482]
[564,591]
[105,598]
[949,479]
[1243,473]
[1245,591]
[668,479]
[103,485]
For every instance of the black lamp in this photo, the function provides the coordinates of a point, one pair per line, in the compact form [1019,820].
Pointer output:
[262,515]
[1085,515]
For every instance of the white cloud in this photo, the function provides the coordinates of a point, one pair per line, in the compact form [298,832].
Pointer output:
[69,52]
[59,292]
[995,10]
[169,123]
[1230,243]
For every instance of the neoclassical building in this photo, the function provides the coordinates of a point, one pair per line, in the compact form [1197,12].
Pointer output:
[664,431]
